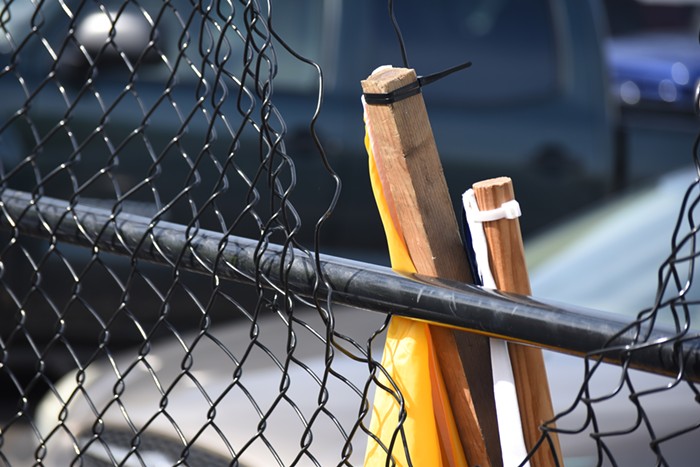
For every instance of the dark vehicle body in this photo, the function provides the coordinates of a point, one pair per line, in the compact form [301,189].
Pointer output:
[79,122]
[535,110]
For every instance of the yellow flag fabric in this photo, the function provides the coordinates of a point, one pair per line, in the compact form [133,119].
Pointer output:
[429,431]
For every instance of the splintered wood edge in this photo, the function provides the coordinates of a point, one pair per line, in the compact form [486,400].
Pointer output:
[493,183]
[388,79]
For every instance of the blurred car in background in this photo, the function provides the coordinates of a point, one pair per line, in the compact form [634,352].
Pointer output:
[653,58]
[605,259]
[610,259]
[554,112]
[536,110]
[652,52]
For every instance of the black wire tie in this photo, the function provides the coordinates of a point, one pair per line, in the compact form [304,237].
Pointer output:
[411,89]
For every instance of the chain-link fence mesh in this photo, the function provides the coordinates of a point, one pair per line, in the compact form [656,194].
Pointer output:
[140,140]
[161,109]
[649,401]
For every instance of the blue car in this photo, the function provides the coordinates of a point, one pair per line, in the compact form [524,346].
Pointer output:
[653,58]
[657,70]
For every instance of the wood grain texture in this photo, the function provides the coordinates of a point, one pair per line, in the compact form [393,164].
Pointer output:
[411,171]
[507,261]
[410,163]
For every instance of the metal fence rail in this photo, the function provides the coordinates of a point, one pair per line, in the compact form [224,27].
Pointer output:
[362,285]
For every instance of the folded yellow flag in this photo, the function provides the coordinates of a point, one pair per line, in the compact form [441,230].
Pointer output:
[428,431]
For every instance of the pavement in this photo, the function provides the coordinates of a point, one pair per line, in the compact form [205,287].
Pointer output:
[18,446]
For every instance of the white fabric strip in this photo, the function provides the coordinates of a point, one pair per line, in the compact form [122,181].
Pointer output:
[510,428]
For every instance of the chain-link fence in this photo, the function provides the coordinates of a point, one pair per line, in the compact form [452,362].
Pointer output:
[165,197]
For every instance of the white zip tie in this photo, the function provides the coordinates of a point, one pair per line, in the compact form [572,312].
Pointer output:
[508,210]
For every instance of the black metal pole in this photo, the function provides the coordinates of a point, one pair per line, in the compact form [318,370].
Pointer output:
[519,318]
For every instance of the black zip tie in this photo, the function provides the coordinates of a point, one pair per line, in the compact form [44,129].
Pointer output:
[410,89]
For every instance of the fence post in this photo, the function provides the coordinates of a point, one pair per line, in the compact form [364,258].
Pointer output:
[507,262]
[412,175]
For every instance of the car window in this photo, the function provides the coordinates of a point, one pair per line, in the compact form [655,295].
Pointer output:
[174,25]
[510,42]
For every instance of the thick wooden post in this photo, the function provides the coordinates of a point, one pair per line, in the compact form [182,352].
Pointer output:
[507,261]
[415,186]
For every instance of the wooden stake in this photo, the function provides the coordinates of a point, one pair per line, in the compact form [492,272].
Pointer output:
[507,261]
[414,180]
